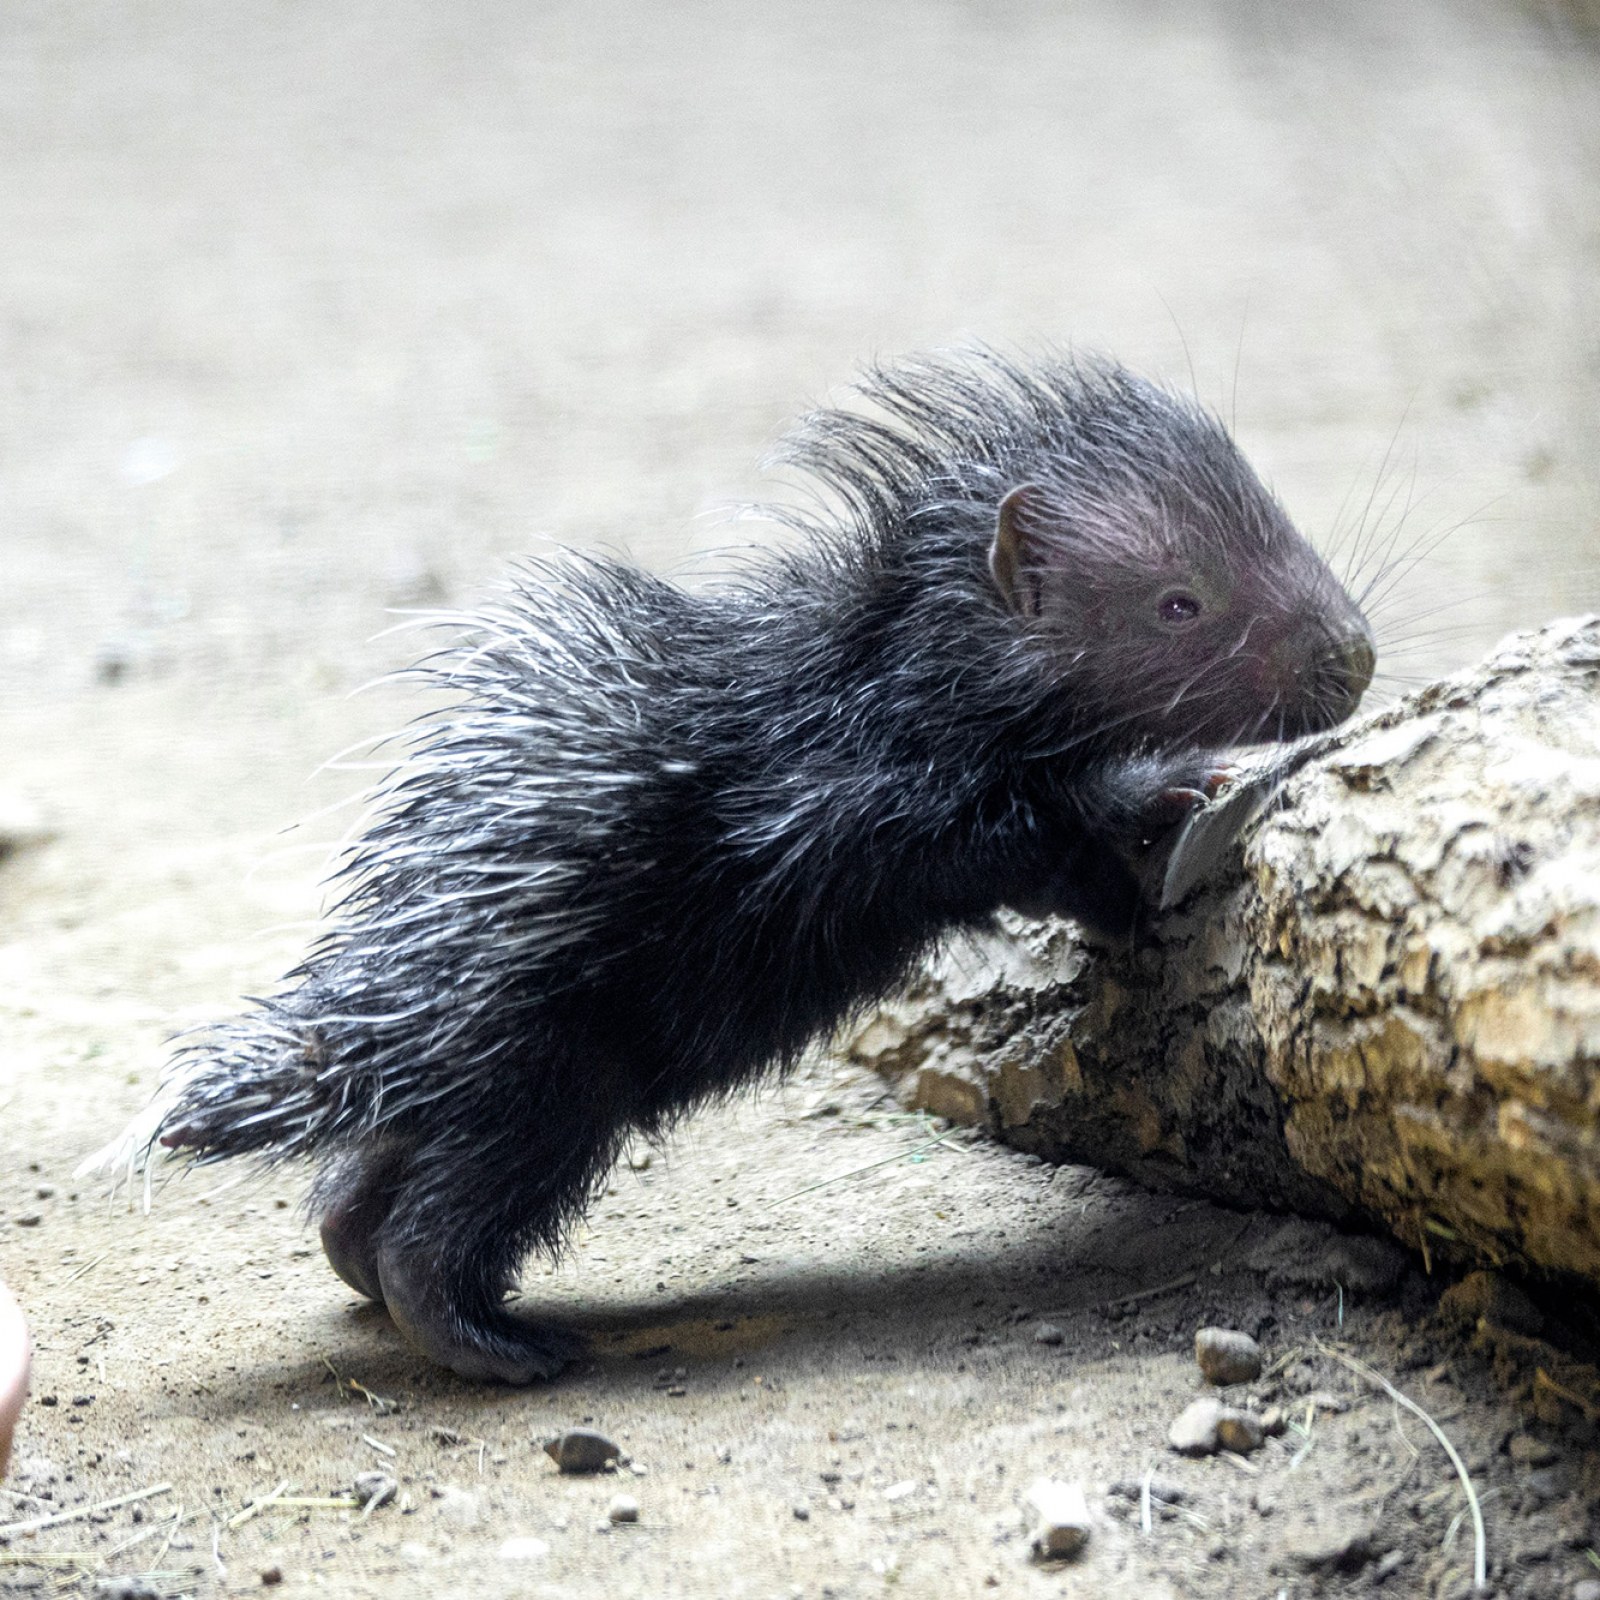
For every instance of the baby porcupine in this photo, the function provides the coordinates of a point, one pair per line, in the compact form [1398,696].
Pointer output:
[663,840]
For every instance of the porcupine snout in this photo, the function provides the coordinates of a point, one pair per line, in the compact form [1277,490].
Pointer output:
[1330,669]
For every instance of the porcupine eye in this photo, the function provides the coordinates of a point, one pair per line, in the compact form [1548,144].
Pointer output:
[1177,607]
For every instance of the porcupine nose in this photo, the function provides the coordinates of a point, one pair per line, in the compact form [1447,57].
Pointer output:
[1353,659]
[1340,677]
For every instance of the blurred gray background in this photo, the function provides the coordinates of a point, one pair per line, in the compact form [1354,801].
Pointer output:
[309,311]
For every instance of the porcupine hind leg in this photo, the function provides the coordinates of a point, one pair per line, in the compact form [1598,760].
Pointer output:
[446,1303]
[352,1197]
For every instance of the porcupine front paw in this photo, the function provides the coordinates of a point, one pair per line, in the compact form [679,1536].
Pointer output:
[462,1324]
[1155,793]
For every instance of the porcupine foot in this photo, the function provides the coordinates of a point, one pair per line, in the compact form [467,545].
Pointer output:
[453,1315]
[446,1302]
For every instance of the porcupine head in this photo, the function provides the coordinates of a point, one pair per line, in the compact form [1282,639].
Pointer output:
[1169,586]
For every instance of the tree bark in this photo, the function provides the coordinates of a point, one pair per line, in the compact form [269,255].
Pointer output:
[1384,1002]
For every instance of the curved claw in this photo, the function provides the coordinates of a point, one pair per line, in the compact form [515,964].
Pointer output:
[483,1342]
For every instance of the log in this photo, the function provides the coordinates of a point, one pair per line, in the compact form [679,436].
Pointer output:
[1383,1004]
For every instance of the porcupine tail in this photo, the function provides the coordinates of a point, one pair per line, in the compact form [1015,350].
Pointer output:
[249,1087]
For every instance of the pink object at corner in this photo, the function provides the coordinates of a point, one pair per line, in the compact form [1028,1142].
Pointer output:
[14,1360]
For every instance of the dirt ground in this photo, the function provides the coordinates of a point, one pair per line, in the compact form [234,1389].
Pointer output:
[314,313]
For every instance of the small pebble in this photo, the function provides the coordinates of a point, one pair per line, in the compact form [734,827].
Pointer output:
[1194,1429]
[802,1512]
[29,1219]
[524,1548]
[374,1489]
[1527,1451]
[1488,1300]
[1586,1589]
[21,828]
[1061,1520]
[1227,1356]
[124,1589]
[1391,1563]
[1364,1267]
[271,1577]
[623,1508]
[1048,1333]
[1240,1431]
[581,1450]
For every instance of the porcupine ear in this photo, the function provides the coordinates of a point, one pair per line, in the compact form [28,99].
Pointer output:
[1014,559]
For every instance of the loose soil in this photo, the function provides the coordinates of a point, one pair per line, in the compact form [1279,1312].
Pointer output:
[328,312]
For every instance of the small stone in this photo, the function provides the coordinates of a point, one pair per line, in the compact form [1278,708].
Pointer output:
[1528,1451]
[374,1489]
[582,1450]
[459,1506]
[1194,1429]
[1390,1564]
[1240,1431]
[1485,1299]
[29,1219]
[802,1512]
[271,1577]
[622,1508]
[1048,1333]
[124,1589]
[45,1191]
[1227,1356]
[112,662]
[1061,1520]
[523,1548]
[899,1491]
[21,827]
[1366,1268]
[639,1160]
[1586,1589]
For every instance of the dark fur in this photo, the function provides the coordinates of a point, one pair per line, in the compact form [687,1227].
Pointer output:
[662,841]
